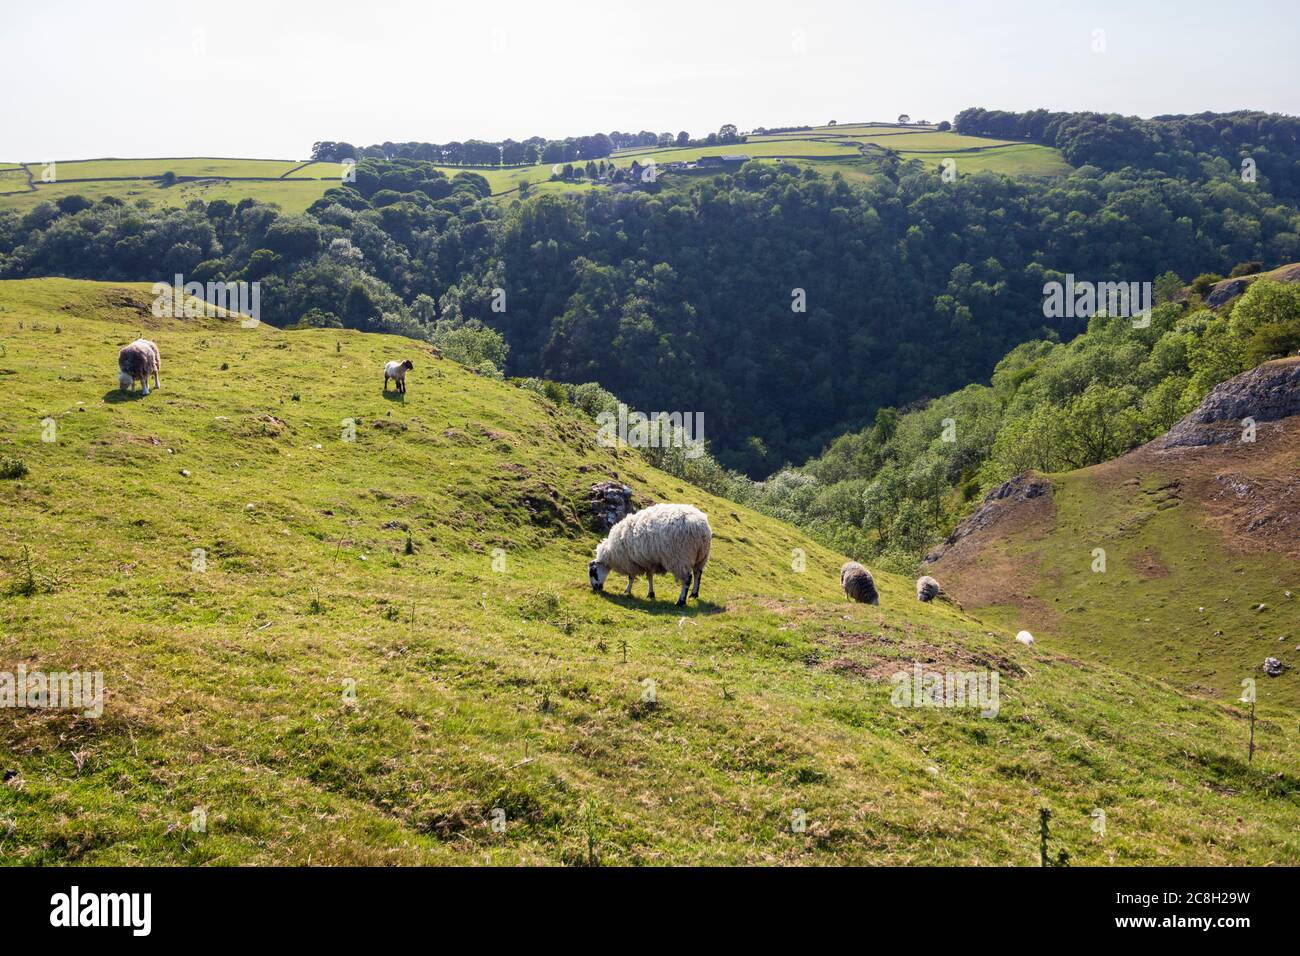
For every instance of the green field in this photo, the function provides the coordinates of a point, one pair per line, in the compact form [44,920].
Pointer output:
[845,143]
[775,147]
[333,171]
[129,168]
[326,692]
[851,150]
[13,178]
[1022,159]
[134,179]
[292,195]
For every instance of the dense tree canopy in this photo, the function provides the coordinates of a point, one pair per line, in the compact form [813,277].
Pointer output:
[1266,145]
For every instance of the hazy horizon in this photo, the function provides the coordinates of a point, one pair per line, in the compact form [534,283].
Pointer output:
[190,79]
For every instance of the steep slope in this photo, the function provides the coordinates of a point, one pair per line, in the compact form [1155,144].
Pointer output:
[276,659]
[1226,290]
[1200,535]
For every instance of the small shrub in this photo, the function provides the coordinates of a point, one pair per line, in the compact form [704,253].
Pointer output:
[555,392]
[12,467]
[1202,284]
[27,581]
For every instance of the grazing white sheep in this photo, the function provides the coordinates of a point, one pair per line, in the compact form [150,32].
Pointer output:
[396,371]
[138,360]
[858,584]
[1025,638]
[927,588]
[662,539]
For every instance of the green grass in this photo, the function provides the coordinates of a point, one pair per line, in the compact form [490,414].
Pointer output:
[203,167]
[134,179]
[332,171]
[774,148]
[477,688]
[292,195]
[1023,159]
[1153,623]
[14,178]
[930,141]
[841,145]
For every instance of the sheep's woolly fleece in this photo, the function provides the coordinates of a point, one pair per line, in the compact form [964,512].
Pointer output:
[673,539]
[138,360]
[858,583]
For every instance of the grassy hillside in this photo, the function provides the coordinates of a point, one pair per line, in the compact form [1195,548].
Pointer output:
[1201,577]
[229,688]
[293,184]
[854,149]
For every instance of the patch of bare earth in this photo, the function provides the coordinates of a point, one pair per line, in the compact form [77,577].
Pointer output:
[977,570]
[1248,493]
[1147,564]
[877,657]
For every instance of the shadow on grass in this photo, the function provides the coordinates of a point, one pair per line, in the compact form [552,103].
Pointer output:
[663,607]
[116,396]
[394,396]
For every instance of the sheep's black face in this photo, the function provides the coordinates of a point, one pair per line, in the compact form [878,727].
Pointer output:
[596,574]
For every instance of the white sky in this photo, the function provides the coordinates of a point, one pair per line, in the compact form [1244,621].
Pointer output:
[84,79]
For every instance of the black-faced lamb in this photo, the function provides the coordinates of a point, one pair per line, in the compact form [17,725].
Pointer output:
[927,588]
[138,360]
[662,539]
[396,372]
[858,584]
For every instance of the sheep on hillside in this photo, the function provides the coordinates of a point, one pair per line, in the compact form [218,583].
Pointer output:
[927,588]
[138,360]
[396,371]
[858,584]
[662,539]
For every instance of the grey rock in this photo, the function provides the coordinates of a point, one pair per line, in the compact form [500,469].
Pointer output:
[610,503]
[1225,292]
[1265,394]
[1023,487]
